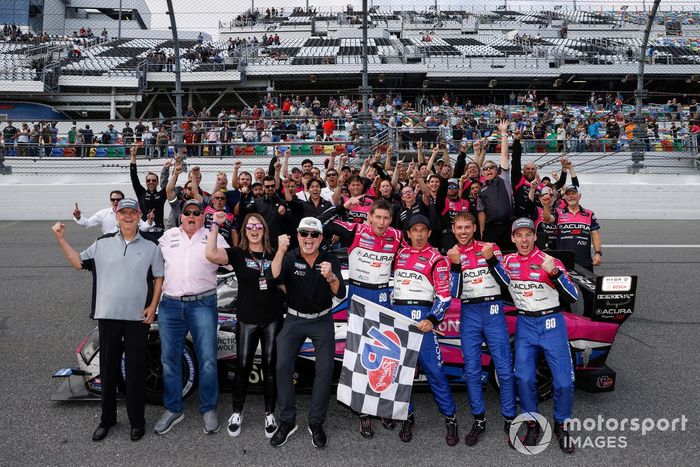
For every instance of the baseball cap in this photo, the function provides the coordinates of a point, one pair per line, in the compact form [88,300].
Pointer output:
[571,188]
[311,224]
[128,203]
[296,169]
[523,223]
[418,219]
[453,181]
[191,202]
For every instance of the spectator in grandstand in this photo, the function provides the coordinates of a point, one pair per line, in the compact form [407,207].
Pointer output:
[23,140]
[107,218]
[9,134]
[128,135]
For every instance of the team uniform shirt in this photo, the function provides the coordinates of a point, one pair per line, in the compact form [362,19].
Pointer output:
[535,292]
[475,279]
[107,219]
[401,214]
[122,275]
[370,256]
[574,233]
[359,213]
[422,279]
[547,233]
[308,292]
[225,227]
[187,270]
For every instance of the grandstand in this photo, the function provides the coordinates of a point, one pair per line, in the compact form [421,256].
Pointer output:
[132,76]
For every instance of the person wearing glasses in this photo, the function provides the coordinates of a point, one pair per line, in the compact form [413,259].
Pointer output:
[227,223]
[188,305]
[273,209]
[259,312]
[311,278]
[495,202]
[107,218]
[152,197]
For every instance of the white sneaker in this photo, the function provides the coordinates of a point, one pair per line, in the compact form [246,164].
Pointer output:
[234,424]
[270,425]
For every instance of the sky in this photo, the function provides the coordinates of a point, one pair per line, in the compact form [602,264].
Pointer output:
[205,15]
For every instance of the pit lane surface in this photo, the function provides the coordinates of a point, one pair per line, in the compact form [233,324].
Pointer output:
[46,303]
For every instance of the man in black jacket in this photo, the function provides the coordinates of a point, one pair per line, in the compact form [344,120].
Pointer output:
[273,209]
[150,198]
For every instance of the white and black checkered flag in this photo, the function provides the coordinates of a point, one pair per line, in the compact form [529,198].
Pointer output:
[381,354]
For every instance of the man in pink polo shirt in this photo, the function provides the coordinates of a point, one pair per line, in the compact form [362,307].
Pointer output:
[188,304]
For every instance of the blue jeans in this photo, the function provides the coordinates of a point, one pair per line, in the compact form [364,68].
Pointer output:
[175,319]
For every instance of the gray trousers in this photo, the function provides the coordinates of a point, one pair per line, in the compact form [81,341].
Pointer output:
[290,339]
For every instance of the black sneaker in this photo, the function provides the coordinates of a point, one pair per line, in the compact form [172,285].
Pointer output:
[388,423]
[283,433]
[478,428]
[318,435]
[452,433]
[506,427]
[532,434]
[565,442]
[366,426]
[406,433]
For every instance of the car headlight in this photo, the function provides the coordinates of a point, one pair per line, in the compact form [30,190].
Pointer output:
[90,347]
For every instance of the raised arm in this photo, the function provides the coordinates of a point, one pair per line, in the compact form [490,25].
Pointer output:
[212,252]
[170,187]
[433,156]
[234,175]
[419,151]
[133,172]
[505,158]
[69,252]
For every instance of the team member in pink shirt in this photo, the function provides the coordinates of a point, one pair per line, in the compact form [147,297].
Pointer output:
[188,304]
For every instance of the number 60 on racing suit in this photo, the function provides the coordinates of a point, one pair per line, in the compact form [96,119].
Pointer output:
[539,285]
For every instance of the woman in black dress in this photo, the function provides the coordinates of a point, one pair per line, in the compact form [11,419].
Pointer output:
[259,313]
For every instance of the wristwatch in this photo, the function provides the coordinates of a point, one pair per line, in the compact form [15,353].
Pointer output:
[554,271]
[598,252]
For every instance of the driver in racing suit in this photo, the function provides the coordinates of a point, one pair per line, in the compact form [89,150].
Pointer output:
[371,251]
[539,285]
[422,293]
[477,275]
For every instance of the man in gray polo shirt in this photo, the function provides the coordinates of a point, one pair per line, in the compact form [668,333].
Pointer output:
[127,272]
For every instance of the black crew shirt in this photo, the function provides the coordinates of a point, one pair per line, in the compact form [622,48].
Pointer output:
[307,290]
[255,306]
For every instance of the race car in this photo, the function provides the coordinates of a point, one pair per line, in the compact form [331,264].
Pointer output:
[591,329]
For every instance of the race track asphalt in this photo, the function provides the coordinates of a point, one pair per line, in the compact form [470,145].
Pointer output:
[45,307]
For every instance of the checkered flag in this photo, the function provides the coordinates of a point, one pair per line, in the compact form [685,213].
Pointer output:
[381,354]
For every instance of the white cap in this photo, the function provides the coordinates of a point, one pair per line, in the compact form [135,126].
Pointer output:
[310,224]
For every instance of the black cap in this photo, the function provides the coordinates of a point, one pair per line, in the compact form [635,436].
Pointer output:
[418,219]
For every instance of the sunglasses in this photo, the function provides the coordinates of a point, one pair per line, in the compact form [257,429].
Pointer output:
[151,180]
[267,187]
[219,198]
[115,200]
[192,213]
[490,167]
[252,226]
[306,233]
[331,175]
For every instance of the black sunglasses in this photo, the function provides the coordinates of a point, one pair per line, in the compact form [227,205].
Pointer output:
[192,213]
[306,233]
[115,200]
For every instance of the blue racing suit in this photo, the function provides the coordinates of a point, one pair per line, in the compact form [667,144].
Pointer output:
[476,282]
[422,291]
[541,328]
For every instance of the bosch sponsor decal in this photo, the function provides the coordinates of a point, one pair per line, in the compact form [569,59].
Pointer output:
[380,357]
[616,284]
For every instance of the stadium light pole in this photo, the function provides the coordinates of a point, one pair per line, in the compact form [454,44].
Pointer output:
[638,145]
[119,30]
[365,89]
[178,83]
